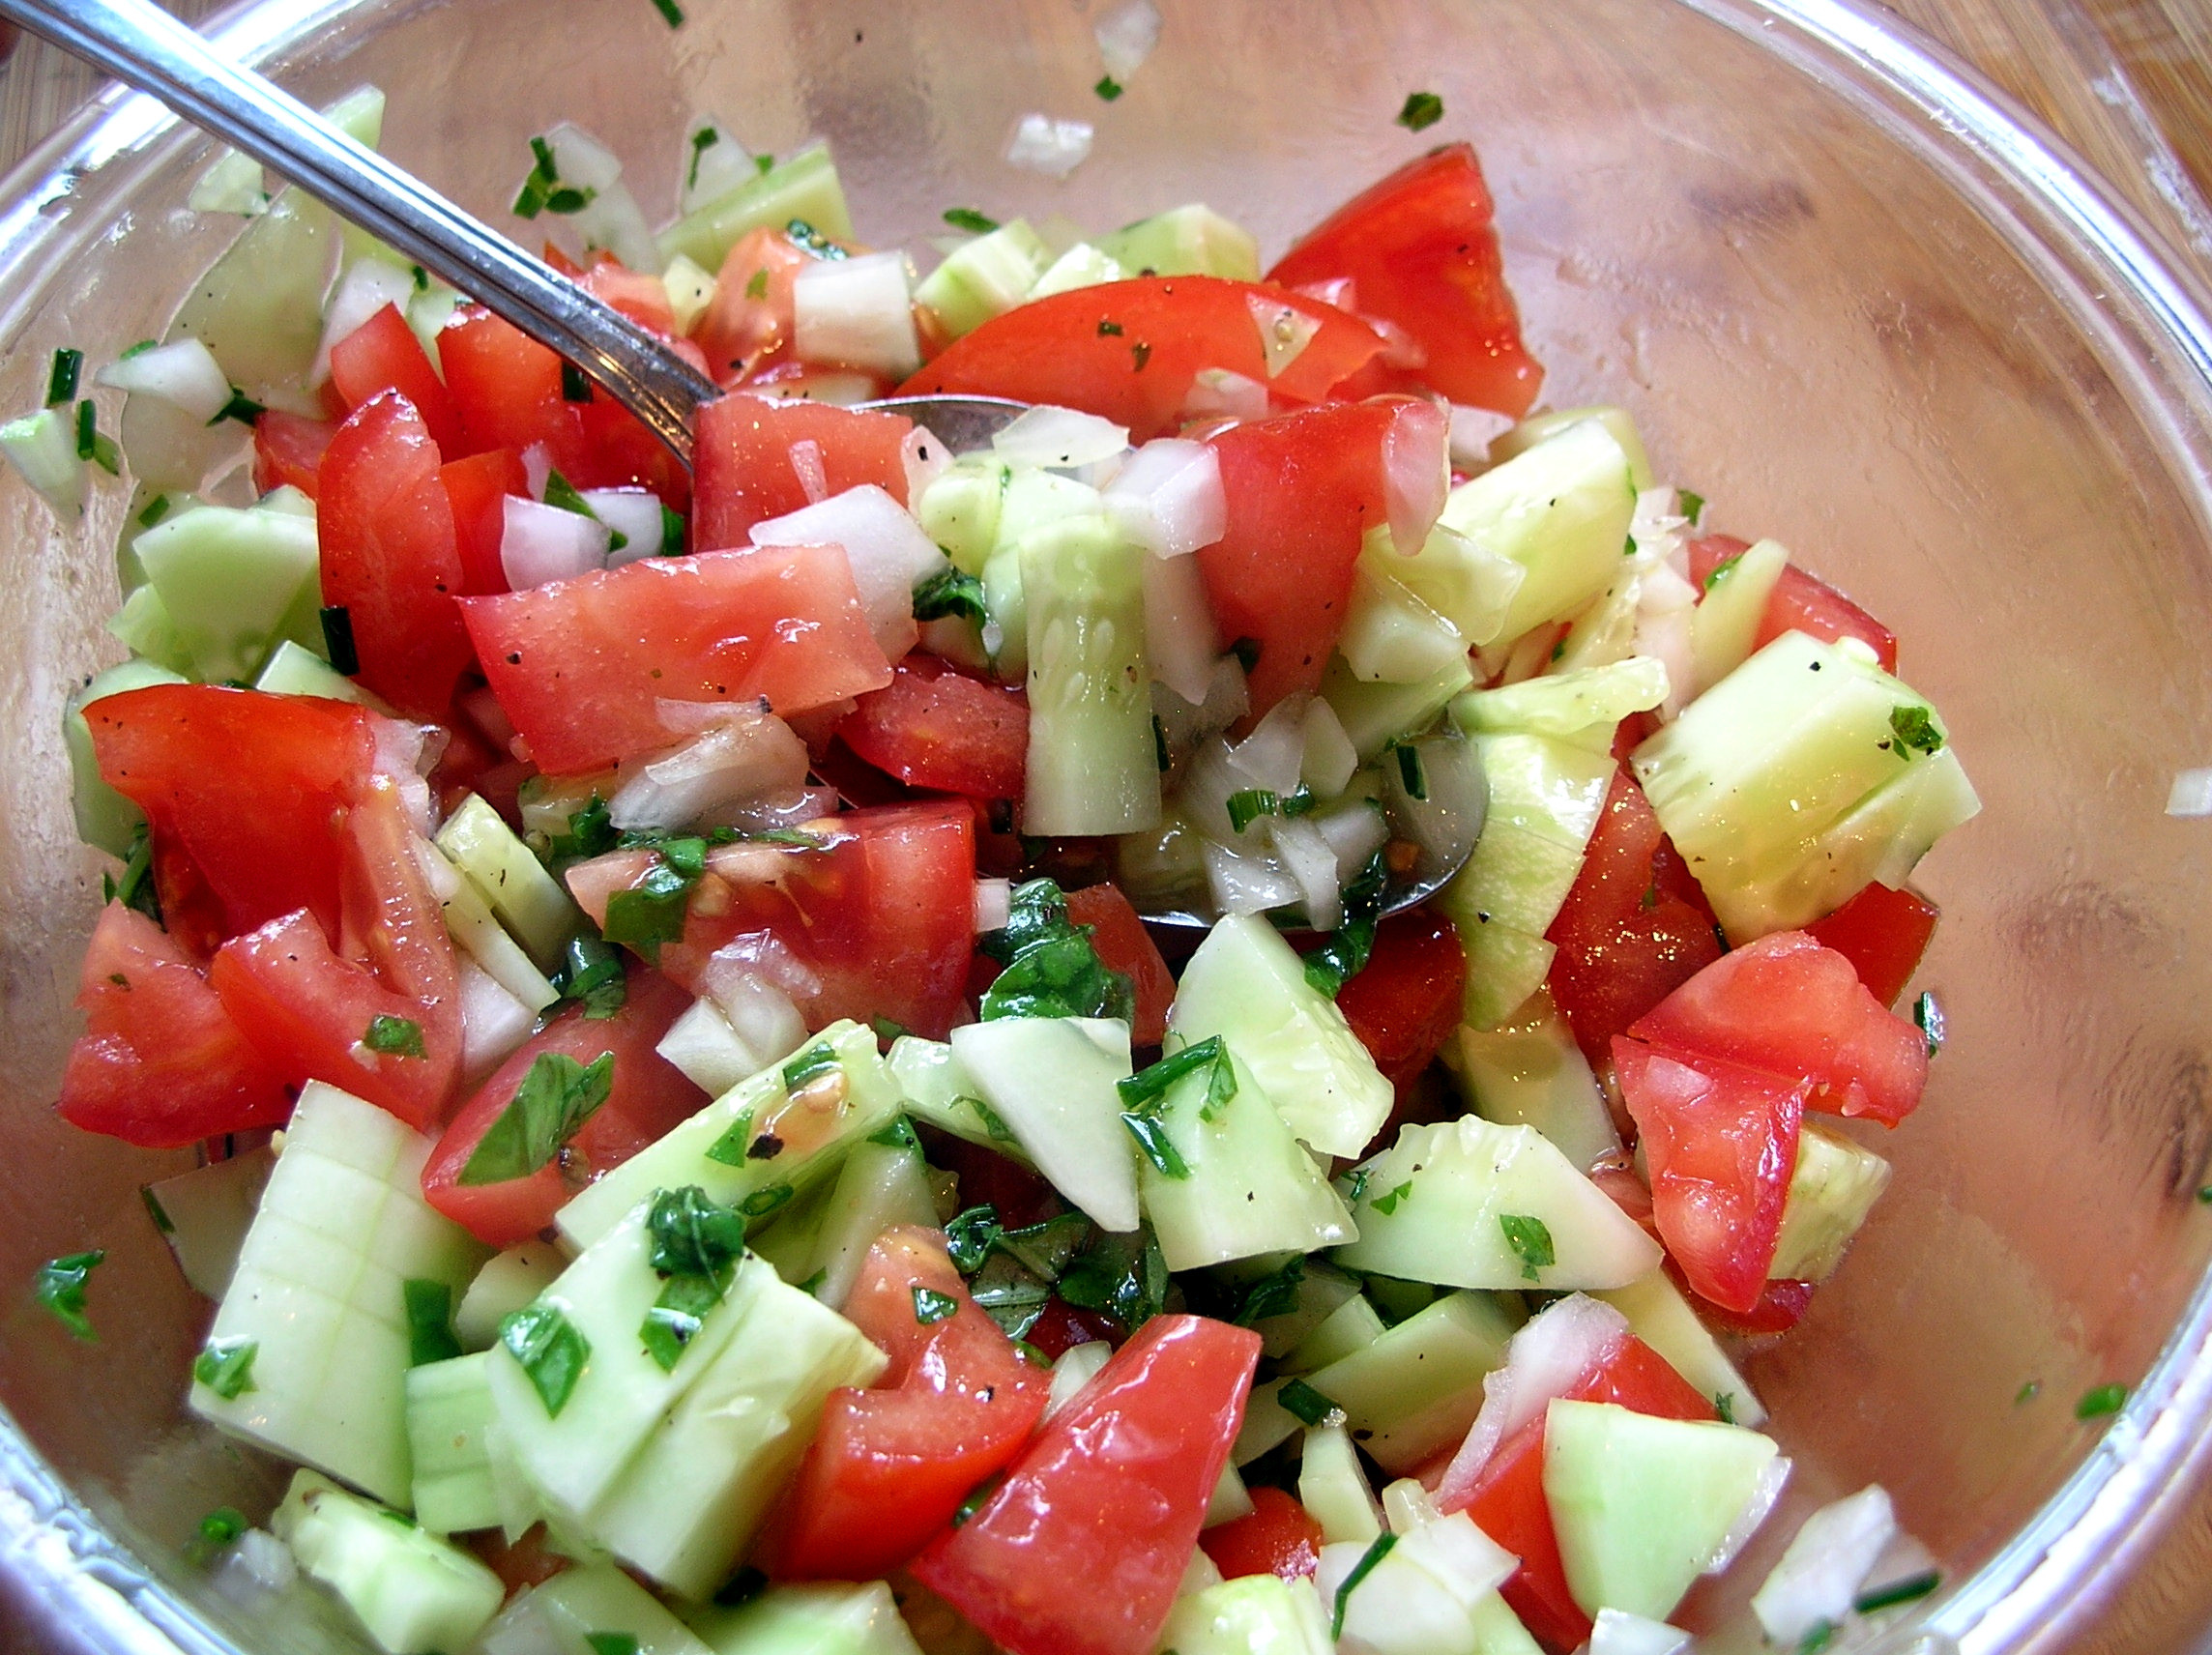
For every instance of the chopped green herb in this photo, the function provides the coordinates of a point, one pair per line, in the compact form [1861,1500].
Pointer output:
[949,592]
[1410,773]
[973,1503]
[652,911]
[1275,1294]
[1109,330]
[139,349]
[591,973]
[556,1097]
[764,164]
[1421,111]
[157,508]
[703,140]
[1329,966]
[2027,1392]
[1301,802]
[970,1237]
[1910,1589]
[590,832]
[241,407]
[1355,1185]
[60,1284]
[888,1029]
[62,377]
[1306,1403]
[1150,1085]
[1248,804]
[569,199]
[673,14]
[898,1135]
[994,1127]
[1693,504]
[2205,1195]
[1158,1148]
[135,887]
[1220,1087]
[2101,1402]
[429,1322]
[732,1149]
[1721,570]
[394,1036]
[154,1210]
[224,1524]
[763,1201]
[576,386]
[551,1351]
[813,241]
[225,1366]
[677,1315]
[810,1065]
[91,445]
[969,219]
[931,1307]
[673,527]
[530,201]
[1386,1205]
[757,287]
[623,1642]
[1378,1549]
[421,277]
[1724,1405]
[1123,1276]
[1930,1017]
[1531,1240]
[742,1589]
[812,1284]
[337,640]
[692,1234]
[1817,1637]
[1051,970]
[1915,730]
[1108,88]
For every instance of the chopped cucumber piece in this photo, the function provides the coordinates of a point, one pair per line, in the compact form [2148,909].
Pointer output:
[1642,1504]
[413,1593]
[806,187]
[1391,636]
[1317,1291]
[448,1413]
[1662,1317]
[1092,765]
[984,277]
[1376,714]
[1353,1325]
[938,1089]
[260,310]
[1052,1081]
[483,937]
[1334,1490]
[205,1212]
[319,1295]
[802,1140]
[293,670]
[1033,499]
[42,447]
[1537,427]
[1231,1499]
[879,1187]
[1397,1607]
[1498,1630]
[1412,1393]
[1432,1209]
[528,900]
[508,1282]
[103,816]
[1724,625]
[228,579]
[1579,706]
[691,292]
[1258,1615]
[708,1048]
[144,626]
[1834,1186]
[1246,1186]
[1192,239]
[827,1617]
[959,510]
[1248,986]
[1530,1072]
[1461,581]
[561,1615]
[1081,266]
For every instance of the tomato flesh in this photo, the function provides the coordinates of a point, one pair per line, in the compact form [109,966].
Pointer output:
[477,489]
[1883,932]
[1405,1003]
[1124,946]
[1081,1549]
[749,324]
[936,728]
[752,465]
[383,353]
[1801,602]
[1277,1537]
[288,450]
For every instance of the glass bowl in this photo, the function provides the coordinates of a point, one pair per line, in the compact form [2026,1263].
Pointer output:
[1849,296]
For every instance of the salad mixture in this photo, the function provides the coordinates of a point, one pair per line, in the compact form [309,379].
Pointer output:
[701,1149]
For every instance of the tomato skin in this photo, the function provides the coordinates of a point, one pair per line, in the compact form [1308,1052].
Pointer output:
[1131,350]
[581,665]
[936,728]
[161,1064]
[641,297]
[890,1466]
[1063,1327]
[743,466]
[1801,603]
[391,556]
[1124,946]
[1081,1549]
[1632,928]
[1404,1003]
[1780,1308]
[1421,250]
[749,323]
[1789,1007]
[1721,1142]
[1302,489]
[1883,932]
[383,353]
[647,1097]
[1279,1536]
[288,449]
[246,794]
[506,389]
[477,489]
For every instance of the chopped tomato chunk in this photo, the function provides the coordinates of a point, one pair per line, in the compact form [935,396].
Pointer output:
[759,459]
[477,488]
[1124,946]
[1883,932]
[383,353]
[749,323]
[1279,1536]
[1801,603]
[1404,1003]
[936,728]
[288,450]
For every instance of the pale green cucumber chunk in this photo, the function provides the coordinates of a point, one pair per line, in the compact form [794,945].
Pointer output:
[1081,266]
[144,626]
[792,1240]
[1258,1615]
[712,1056]
[984,277]
[484,940]
[205,1214]
[1834,1186]
[1618,421]
[319,1291]
[1431,1209]
[1333,1489]
[559,1616]
[1248,986]
[228,578]
[413,1593]
[1530,1072]
[1267,1423]
[1031,498]
[959,510]
[805,187]
[528,900]
[880,1186]
[1322,1291]
[1353,1326]
[1467,583]
[1250,1190]
[294,670]
[1374,715]
[936,1090]
[1662,1317]
[260,311]
[1642,1504]
[448,1411]
[1093,763]
[1413,1392]
[1398,1608]
[1230,1499]
[691,1500]
[1504,967]
[1565,704]
[42,447]
[1724,625]
[103,816]
[508,1282]
[1390,635]
[1052,1081]
[827,1617]
[1498,1630]
[814,1130]
[1192,239]
[1561,510]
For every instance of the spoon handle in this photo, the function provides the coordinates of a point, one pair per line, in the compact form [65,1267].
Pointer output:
[139,43]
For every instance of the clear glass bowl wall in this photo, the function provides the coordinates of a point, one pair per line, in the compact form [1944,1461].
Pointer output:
[1845,301]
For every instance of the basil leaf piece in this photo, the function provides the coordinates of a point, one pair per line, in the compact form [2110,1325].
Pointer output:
[651,912]
[1531,1240]
[1273,1296]
[949,592]
[970,1237]
[1147,1085]
[1343,957]
[429,1322]
[677,1314]
[931,1307]
[1307,1403]
[394,1036]
[1157,1147]
[1123,1276]
[550,1107]
[225,1366]
[970,219]
[1061,977]
[551,1351]
[60,1285]
[692,1234]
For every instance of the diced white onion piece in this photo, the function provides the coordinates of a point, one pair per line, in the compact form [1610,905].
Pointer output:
[712,168]
[256,1567]
[1271,755]
[1285,331]
[1178,626]
[888,553]
[754,990]
[1245,883]
[756,956]
[1058,438]
[708,1050]
[1545,1359]
[1329,759]
[612,218]
[1312,863]
[494,1024]
[1341,291]
[1169,498]
[1445,824]
[367,286]
[1209,779]
[1126,37]
[690,290]
[993,904]
[752,754]
[633,514]
[1473,432]
[405,753]
[1416,475]
[1400,348]
[925,457]
[1356,831]
[539,544]
[1657,525]
[807,464]
[785,810]
[1618,1633]
[1828,1561]
[857,313]
[42,447]
[537,469]
[1077,1367]
[1459,1556]
[1053,148]
[2191,794]
[1665,603]
[1773,1477]
[183,372]
[1217,393]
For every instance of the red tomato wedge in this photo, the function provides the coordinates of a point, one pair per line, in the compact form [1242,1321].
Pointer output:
[753,462]
[1302,489]
[477,489]
[1279,1536]
[639,295]
[390,556]
[1633,929]
[1801,602]
[890,1466]
[383,353]
[1721,1142]
[288,450]
[1780,1308]
[1124,946]
[936,728]
[749,322]
[647,1097]
[1883,932]
[161,1064]
[506,389]
[581,665]
[882,918]
[1405,1003]
[1421,250]
[1789,1007]
[1130,351]
[247,795]
[1081,1549]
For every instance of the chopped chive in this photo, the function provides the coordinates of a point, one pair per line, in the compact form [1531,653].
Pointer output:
[673,14]
[1307,1403]
[763,1201]
[1692,504]
[2027,1392]
[87,428]
[1910,1589]
[1248,804]
[394,1036]
[547,168]
[1721,570]
[1147,1085]
[1930,1017]
[569,199]
[551,1351]
[1410,773]
[225,1366]
[764,164]
[421,277]
[1531,1240]
[969,219]
[1724,1405]
[973,1503]
[703,140]
[575,383]
[241,407]
[429,1322]
[1275,1294]
[1301,802]
[1158,1148]
[337,640]
[810,1065]
[155,1212]
[1108,88]
[1817,1637]
[1109,330]
[60,1285]
[888,1029]
[137,350]
[157,508]
[1421,111]
[1376,1549]
[224,1524]
[2098,1404]
[673,528]
[931,1307]
[62,377]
